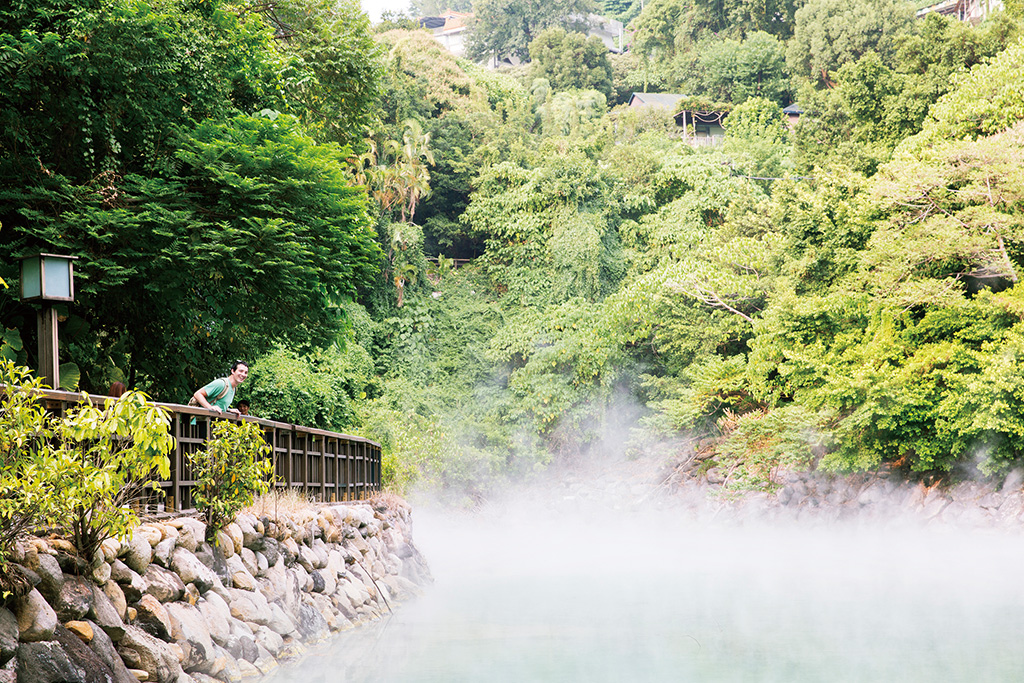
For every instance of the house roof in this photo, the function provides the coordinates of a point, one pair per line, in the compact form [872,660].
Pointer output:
[657,99]
[793,109]
[447,21]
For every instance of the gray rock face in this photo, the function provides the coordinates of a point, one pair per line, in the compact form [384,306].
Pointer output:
[36,619]
[163,585]
[75,599]
[47,662]
[8,635]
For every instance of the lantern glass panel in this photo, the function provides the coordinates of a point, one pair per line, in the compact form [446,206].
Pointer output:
[31,281]
[57,272]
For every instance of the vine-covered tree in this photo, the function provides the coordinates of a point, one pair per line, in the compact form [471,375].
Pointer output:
[571,61]
[504,28]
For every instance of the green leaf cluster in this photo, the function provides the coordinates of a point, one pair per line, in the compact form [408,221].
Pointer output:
[230,472]
[76,472]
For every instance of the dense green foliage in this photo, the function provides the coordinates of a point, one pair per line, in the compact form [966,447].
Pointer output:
[489,270]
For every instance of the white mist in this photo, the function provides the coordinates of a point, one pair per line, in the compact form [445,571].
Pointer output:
[553,588]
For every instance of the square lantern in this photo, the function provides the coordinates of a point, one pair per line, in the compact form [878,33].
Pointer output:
[48,277]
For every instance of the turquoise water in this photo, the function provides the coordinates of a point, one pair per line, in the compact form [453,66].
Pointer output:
[526,597]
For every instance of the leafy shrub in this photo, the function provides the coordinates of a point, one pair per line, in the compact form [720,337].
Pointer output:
[230,472]
[79,471]
[105,458]
[26,491]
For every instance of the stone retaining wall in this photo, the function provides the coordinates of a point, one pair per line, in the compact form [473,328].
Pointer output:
[166,606]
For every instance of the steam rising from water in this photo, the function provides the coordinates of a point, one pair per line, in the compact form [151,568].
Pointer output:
[563,588]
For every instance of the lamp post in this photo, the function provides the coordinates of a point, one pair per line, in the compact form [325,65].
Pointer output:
[48,278]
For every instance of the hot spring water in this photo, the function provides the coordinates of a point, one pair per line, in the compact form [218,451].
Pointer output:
[533,594]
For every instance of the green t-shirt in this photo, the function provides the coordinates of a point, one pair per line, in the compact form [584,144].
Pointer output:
[215,389]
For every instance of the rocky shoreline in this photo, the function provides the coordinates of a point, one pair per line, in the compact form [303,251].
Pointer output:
[168,607]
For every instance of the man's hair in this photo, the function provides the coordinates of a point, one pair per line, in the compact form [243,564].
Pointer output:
[234,366]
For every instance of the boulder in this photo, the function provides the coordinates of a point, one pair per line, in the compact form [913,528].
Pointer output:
[120,572]
[138,552]
[103,646]
[230,673]
[240,643]
[36,619]
[140,650]
[269,639]
[116,597]
[191,532]
[104,613]
[151,532]
[249,606]
[216,615]
[163,550]
[311,624]
[82,629]
[281,622]
[234,532]
[188,627]
[188,567]
[321,551]
[213,558]
[152,617]
[74,600]
[111,548]
[51,578]
[271,549]
[224,544]
[9,633]
[307,558]
[247,525]
[164,585]
[101,574]
[249,561]
[96,669]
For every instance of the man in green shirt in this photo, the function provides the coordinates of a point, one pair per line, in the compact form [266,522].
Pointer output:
[218,394]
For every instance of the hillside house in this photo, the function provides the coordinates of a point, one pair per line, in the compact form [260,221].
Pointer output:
[974,11]
[449,29]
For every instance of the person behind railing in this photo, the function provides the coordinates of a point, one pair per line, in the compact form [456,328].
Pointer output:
[117,389]
[218,394]
[243,407]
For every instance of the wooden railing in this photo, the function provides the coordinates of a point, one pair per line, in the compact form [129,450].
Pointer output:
[326,466]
